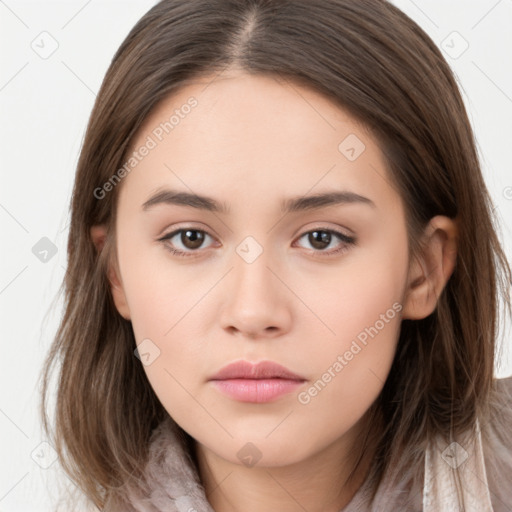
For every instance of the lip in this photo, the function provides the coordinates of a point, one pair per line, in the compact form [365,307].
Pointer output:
[256,383]
[262,370]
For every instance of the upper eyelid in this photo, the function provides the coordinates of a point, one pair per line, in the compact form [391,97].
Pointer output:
[320,226]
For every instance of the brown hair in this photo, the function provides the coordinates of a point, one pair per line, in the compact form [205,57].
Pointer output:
[380,66]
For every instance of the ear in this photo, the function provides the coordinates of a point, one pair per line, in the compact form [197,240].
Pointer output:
[428,276]
[99,236]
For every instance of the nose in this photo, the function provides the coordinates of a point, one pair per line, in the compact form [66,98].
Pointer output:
[258,303]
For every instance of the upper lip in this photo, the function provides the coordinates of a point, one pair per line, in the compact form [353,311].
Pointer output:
[261,370]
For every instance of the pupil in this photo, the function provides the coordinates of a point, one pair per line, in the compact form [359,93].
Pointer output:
[321,239]
[194,240]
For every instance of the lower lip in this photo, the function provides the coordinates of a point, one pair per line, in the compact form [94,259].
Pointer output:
[256,390]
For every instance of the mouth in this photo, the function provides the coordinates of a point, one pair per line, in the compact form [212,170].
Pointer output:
[260,383]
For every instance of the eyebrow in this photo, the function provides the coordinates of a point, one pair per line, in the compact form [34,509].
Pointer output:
[294,204]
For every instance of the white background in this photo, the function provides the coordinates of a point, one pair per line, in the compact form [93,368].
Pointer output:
[45,105]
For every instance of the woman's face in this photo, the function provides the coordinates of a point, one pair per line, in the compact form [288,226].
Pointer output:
[263,275]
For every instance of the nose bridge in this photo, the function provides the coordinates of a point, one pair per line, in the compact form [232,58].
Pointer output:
[257,298]
[251,273]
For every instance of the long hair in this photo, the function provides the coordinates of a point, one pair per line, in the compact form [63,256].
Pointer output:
[383,69]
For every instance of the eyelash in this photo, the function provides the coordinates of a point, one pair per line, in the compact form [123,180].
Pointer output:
[347,241]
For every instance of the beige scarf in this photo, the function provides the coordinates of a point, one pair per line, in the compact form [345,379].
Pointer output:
[172,483]
[441,489]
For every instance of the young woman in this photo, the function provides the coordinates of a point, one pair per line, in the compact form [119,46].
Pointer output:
[284,273]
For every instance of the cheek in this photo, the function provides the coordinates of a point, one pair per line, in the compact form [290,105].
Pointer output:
[156,291]
[361,299]
[351,295]
[350,375]
[364,309]
[161,314]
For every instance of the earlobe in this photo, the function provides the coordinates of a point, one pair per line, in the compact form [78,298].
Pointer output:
[429,274]
[99,237]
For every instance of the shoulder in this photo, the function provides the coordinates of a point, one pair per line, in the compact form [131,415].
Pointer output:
[501,403]
[505,383]
[498,446]
[501,410]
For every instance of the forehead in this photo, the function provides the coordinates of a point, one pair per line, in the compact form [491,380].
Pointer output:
[252,136]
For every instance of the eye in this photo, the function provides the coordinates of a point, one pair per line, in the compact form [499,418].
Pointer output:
[320,239]
[190,238]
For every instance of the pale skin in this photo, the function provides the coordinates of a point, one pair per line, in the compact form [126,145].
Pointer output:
[251,142]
